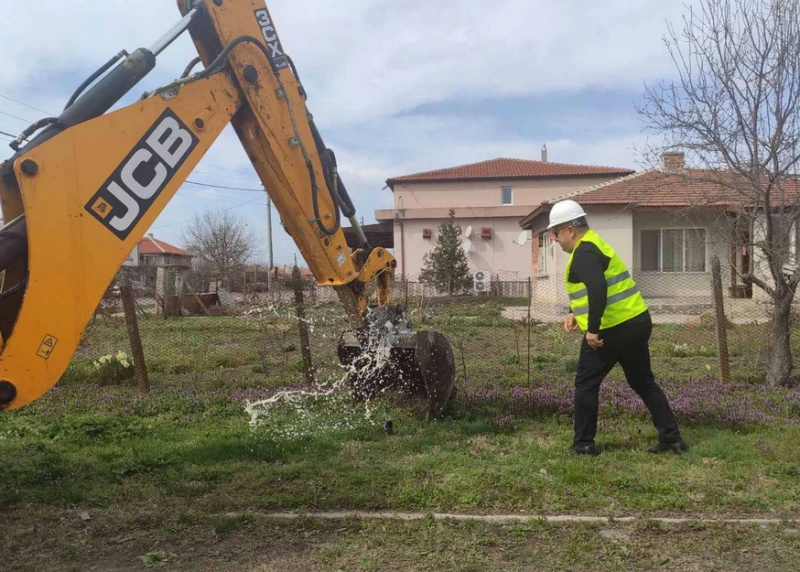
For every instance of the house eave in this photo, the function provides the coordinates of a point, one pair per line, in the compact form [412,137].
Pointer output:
[392,182]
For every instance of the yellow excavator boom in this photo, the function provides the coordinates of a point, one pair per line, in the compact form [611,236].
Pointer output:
[83,188]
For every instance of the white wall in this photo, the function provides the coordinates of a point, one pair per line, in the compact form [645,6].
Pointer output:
[621,229]
[760,264]
[531,192]
[506,260]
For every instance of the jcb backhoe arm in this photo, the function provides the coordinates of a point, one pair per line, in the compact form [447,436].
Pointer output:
[81,193]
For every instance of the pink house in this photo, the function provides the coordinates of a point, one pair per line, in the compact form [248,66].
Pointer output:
[489,198]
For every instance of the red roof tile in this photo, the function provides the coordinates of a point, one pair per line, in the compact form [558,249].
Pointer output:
[507,169]
[150,245]
[690,188]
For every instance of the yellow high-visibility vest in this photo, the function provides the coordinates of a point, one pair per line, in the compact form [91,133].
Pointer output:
[623,302]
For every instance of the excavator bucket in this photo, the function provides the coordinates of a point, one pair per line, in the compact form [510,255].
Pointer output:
[389,357]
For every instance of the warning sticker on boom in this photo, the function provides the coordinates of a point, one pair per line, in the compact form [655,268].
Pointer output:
[47,346]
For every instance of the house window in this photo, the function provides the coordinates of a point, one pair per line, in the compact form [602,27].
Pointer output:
[673,250]
[544,247]
[508,195]
[650,245]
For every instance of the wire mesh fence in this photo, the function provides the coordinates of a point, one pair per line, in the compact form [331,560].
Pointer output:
[509,331]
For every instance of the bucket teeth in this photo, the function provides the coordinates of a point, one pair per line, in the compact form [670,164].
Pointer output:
[419,365]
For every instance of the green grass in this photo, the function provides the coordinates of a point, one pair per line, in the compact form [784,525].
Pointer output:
[180,470]
[485,343]
[116,449]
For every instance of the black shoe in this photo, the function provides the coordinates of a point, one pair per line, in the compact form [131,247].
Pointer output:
[583,449]
[676,447]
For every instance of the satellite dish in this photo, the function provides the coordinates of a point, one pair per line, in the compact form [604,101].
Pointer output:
[522,238]
[468,232]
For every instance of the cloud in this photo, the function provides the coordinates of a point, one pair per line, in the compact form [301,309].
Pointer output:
[396,87]
[380,58]
[371,58]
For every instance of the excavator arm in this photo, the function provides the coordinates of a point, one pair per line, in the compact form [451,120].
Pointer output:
[83,188]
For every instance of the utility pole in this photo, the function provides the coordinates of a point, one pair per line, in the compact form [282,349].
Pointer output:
[269,234]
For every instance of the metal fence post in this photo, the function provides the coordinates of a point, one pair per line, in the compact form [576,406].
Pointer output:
[720,322]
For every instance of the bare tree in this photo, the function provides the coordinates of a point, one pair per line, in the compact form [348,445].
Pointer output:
[735,109]
[220,242]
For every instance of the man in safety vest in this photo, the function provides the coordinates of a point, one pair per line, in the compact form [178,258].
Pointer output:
[606,304]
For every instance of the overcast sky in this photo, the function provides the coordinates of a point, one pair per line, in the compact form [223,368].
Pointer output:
[396,87]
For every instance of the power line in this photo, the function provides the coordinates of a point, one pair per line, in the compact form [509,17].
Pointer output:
[223,187]
[16,117]
[217,197]
[25,104]
[8,134]
[223,176]
[190,220]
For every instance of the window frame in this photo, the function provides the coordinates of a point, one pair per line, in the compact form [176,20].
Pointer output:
[543,244]
[684,250]
[510,196]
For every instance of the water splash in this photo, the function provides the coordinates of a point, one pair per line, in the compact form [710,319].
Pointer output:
[328,406]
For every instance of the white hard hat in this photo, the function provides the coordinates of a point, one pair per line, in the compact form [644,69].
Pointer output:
[565,211]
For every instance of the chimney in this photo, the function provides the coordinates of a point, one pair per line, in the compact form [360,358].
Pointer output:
[150,234]
[544,153]
[673,161]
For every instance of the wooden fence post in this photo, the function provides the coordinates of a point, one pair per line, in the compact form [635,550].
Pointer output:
[299,307]
[129,308]
[720,322]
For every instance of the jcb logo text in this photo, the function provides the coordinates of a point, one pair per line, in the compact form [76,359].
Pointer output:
[133,187]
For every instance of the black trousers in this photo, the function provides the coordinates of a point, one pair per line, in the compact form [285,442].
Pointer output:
[628,345]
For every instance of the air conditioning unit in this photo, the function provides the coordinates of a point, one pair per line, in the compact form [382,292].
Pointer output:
[482,281]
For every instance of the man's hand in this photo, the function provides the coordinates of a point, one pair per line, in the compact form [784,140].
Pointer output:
[570,325]
[594,341]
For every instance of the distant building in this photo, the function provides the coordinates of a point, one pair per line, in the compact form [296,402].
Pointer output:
[489,199]
[667,225]
[157,253]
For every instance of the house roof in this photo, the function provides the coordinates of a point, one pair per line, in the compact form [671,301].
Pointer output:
[151,245]
[504,168]
[689,188]
[381,234]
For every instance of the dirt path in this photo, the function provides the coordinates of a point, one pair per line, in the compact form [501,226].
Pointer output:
[44,539]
